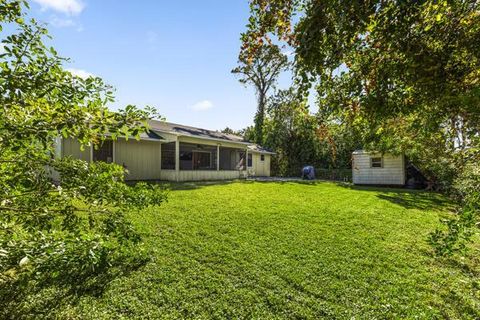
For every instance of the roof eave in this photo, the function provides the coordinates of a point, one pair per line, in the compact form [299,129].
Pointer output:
[202,138]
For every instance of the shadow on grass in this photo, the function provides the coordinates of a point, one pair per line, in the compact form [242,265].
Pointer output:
[201,184]
[469,267]
[421,201]
[197,184]
[407,198]
[44,295]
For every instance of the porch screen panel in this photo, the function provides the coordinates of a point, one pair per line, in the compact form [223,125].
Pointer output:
[198,157]
[232,159]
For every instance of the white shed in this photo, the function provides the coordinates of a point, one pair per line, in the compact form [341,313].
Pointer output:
[378,169]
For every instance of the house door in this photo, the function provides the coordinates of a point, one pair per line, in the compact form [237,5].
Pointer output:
[201,160]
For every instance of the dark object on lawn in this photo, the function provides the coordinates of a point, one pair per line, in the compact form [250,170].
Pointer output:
[308,173]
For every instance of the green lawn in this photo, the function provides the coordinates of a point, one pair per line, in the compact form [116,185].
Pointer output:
[290,250]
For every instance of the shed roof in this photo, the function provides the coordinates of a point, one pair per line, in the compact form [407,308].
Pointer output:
[359,152]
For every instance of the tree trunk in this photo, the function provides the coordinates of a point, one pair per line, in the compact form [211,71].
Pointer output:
[259,118]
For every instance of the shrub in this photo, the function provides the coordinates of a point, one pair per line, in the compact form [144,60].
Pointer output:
[460,228]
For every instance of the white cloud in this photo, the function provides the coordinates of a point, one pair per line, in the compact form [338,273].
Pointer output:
[80,73]
[62,23]
[202,105]
[152,37]
[71,7]
[59,22]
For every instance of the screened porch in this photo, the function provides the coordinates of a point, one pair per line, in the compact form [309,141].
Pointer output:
[202,157]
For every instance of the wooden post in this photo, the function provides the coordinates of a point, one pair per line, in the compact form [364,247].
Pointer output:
[246,162]
[113,151]
[218,157]
[160,152]
[177,159]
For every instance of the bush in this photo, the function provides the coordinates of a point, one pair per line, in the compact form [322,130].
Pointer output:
[460,228]
[71,233]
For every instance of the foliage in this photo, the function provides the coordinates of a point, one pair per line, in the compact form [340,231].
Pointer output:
[405,74]
[298,140]
[261,70]
[289,250]
[461,228]
[248,133]
[51,231]
[228,130]
[290,131]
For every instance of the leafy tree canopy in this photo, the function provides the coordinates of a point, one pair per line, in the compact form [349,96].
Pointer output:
[261,70]
[413,62]
[405,74]
[58,231]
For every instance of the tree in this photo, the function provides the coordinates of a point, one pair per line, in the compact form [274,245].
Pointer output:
[290,130]
[298,139]
[228,130]
[261,70]
[404,73]
[75,229]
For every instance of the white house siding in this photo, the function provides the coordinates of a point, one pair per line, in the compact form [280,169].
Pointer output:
[204,175]
[71,147]
[141,158]
[392,172]
[168,175]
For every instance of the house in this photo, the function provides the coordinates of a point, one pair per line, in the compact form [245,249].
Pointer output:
[378,169]
[176,152]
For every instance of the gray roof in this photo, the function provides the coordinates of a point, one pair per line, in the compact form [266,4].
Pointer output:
[151,135]
[257,148]
[174,128]
[157,127]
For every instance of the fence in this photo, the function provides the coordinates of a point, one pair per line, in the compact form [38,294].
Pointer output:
[334,174]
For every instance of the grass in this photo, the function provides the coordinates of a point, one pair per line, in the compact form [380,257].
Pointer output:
[290,250]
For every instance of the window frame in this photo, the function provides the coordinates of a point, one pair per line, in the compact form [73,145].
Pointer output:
[249,160]
[262,157]
[97,151]
[376,160]
[167,156]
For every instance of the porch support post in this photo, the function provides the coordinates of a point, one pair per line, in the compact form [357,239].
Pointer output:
[246,162]
[177,159]
[113,151]
[218,157]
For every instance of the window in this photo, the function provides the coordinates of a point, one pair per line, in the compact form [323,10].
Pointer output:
[262,157]
[249,160]
[376,162]
[168,156]
[103,152]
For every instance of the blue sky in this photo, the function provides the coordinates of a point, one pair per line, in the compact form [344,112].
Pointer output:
[173,55]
